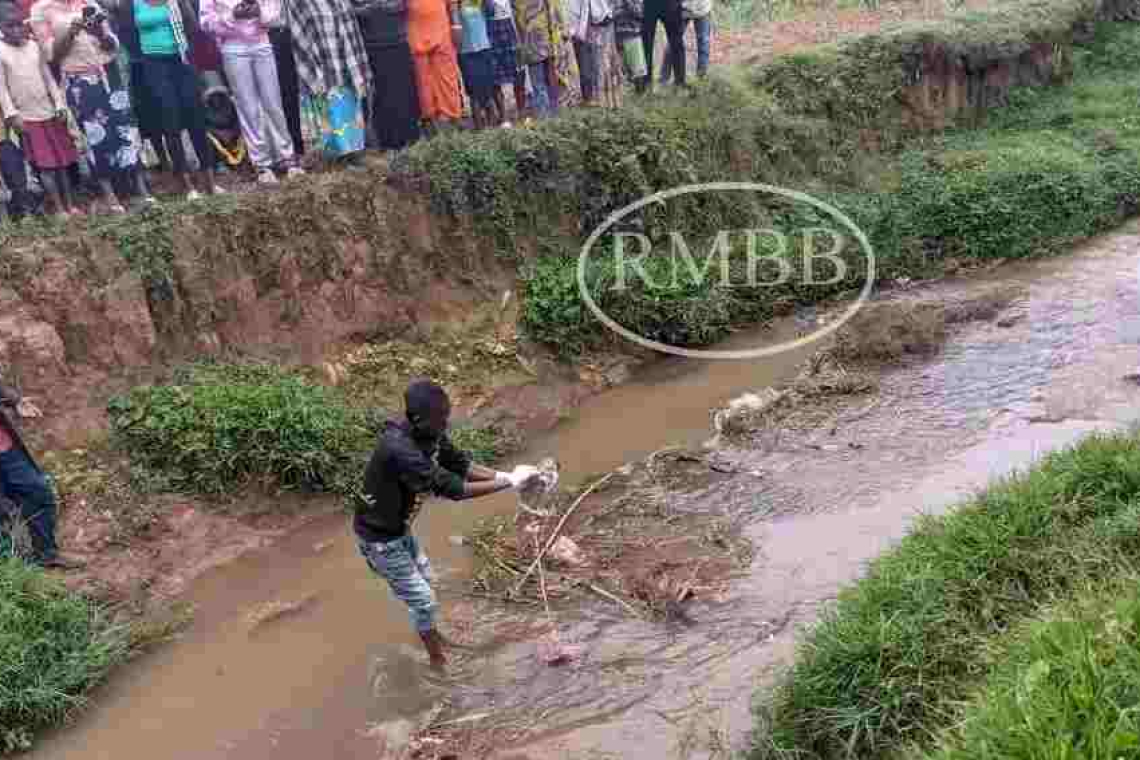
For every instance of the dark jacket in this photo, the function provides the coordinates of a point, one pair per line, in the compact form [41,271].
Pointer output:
[403,470]
[9,397]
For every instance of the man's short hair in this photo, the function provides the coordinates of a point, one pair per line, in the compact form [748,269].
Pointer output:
[424,397]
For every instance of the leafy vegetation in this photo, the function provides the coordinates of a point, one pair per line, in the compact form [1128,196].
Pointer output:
[218,427]
[54,646]
[1058,166]
[1064,687]
[887,666]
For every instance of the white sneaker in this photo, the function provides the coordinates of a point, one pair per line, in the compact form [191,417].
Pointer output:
[219,190]
[193,195]
[266,177]
[295,171]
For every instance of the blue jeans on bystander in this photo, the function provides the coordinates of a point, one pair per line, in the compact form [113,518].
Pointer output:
[23,483]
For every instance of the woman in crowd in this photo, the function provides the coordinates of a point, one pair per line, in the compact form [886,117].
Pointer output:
[76,37]
[333,70]
[395,105]
[242,30]
[504,50]
[33,106]
[145,106]
[477,62]
[162,30]
[591,24]
[543,50]
[699,14]
[434,32]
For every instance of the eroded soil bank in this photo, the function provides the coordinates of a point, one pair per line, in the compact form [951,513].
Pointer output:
[298,652]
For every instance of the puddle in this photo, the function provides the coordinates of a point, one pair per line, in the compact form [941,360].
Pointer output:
[311,682]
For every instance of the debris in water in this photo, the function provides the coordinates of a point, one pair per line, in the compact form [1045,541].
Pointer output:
[535,495]
[566,552]
[553,652]
[275,610]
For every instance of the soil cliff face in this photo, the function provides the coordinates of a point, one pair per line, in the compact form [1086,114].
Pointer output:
[288,276]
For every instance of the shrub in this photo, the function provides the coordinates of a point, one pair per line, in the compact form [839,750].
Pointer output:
[219,426]
[54,646]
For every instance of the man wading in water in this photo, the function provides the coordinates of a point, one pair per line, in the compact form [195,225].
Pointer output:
[415,458]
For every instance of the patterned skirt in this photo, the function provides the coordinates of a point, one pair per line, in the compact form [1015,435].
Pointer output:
[504,47]
[342,122]
[101,105]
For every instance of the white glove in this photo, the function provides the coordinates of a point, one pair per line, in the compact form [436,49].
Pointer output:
[521,474]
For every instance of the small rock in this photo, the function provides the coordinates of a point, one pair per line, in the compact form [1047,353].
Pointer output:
[457,540]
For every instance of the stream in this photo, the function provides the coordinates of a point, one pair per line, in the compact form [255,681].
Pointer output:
[312,683]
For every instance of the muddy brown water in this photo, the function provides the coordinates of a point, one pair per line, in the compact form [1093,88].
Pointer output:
[311,683]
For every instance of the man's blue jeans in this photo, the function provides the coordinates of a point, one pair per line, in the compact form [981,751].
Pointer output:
[22,483]
[702,27]
[404,565]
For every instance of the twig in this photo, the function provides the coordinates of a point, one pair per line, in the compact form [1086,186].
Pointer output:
[542,585]
[557,529]
[602,592]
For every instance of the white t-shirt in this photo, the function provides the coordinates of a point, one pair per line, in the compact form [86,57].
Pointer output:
[501,9]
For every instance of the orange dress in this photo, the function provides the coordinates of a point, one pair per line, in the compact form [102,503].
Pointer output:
[437,68]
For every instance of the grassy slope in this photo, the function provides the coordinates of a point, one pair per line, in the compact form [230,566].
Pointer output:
[1058,166]
[886,668]
[54,646]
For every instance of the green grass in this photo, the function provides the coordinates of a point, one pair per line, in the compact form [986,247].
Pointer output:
[54,646]
[1066,687]
[215,428]
[887,666]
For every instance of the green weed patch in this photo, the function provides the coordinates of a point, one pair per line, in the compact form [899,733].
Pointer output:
[54,646]
[216,428]
[886,668]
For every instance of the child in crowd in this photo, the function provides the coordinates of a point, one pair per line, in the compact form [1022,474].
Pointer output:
[14,175]
[33,105]
[477,62]
[627,34]
[504,49]
[699,14]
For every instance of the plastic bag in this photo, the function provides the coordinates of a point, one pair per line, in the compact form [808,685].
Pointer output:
[535,497]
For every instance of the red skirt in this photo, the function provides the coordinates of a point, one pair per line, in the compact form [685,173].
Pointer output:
[48,145]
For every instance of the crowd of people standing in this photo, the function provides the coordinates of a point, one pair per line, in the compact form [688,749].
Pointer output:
[85,84]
